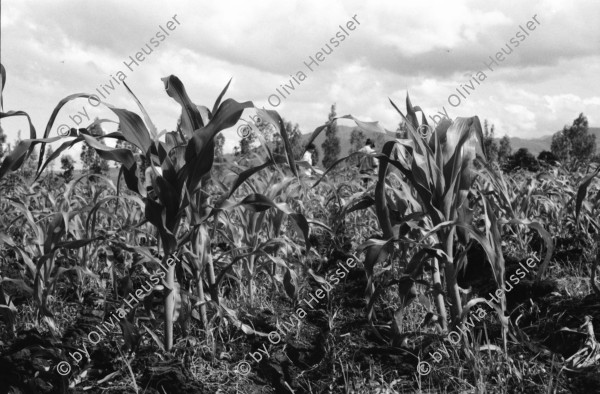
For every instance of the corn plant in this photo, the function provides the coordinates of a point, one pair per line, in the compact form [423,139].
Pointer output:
[440,173]
[519,206]
[262,232]
[181,209]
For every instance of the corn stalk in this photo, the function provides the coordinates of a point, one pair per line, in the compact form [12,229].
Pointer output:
[439,168]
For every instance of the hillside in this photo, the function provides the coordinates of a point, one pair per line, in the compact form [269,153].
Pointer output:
[536,145]
[344,133]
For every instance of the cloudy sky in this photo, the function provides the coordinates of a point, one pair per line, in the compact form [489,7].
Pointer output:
[428,48]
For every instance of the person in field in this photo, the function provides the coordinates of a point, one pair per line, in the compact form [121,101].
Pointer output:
[308,155]
[308,158]
[368,165]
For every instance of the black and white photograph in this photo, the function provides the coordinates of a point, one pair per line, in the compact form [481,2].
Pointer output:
[299,197]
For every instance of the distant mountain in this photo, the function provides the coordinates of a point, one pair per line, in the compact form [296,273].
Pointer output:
[344,133]
[536,145]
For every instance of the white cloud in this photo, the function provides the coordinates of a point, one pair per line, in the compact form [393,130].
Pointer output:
[51,50]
